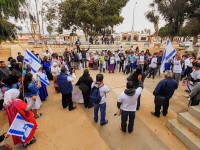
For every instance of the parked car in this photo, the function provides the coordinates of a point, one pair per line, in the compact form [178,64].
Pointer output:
[62,42]
[185,44]
[30,41]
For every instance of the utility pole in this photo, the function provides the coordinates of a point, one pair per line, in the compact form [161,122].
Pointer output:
[132,31]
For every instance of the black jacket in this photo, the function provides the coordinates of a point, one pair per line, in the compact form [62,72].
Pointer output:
[86,79]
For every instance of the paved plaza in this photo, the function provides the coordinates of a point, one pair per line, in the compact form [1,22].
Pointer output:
[61,129]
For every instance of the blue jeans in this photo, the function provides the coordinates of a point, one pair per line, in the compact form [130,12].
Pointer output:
[102,110]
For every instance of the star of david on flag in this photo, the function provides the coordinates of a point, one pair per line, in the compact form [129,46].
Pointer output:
[32,60]
[168,54]
[20,127]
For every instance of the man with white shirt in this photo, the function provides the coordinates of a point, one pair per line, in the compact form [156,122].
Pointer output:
[65,87]
[127,102]
[141,60]
[103,89]
[188,66]
[153,66]
[47,54]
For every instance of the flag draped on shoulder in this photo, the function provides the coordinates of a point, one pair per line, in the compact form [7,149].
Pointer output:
[44,79]
[32,60]
[168,54]
[20,127]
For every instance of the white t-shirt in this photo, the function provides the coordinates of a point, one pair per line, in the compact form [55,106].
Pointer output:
[141,60]
[177,68]
[103,90]
[129,103]
[47,55]
[153,62]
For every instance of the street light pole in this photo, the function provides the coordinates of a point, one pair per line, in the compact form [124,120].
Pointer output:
[132,31]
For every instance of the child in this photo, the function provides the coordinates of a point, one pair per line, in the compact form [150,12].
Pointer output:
[127,65]
[103,89]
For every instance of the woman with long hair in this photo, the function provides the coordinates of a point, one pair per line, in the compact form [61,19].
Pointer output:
[31,91]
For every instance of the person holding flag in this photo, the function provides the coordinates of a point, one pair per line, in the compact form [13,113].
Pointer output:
[15,106]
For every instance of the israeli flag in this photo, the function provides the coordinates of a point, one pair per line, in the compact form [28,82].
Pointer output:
[44,79]
[168,54]
[32,60]
[20,127]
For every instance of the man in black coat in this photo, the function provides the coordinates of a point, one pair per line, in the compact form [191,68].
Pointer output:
[84,83]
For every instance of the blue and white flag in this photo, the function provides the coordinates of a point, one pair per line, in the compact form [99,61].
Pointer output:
[44,79]
[32,60]
[20,127]
[168,54]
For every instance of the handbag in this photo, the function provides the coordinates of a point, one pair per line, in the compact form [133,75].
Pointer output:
[159,100]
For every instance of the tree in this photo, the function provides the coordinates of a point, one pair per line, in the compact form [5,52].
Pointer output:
[151,17]
[50,11]
[184,32]
[163,32]
[49,30]
[93,17]
[9,9]
[193,26]
[175,12]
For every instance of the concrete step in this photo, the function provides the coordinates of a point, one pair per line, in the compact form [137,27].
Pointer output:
[190,122]
[188,138]
[195,111]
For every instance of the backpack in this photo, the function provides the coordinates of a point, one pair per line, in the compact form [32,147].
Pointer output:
[95,96]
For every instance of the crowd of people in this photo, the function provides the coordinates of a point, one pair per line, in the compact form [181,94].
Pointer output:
[23,92]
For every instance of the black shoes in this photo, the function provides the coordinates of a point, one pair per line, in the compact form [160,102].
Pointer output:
[72,108]
[153,113]
[106,122]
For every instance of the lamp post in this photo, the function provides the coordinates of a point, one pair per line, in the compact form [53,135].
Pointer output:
[132,31]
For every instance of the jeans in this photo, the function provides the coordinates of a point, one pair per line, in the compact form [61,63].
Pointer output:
[127,115]
[121,66]
[165,108]
[102,111]
[67,101]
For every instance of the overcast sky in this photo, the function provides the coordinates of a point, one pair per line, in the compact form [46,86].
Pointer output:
[127,12]
[140,21]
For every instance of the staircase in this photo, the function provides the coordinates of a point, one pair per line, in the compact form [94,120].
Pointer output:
[187,127]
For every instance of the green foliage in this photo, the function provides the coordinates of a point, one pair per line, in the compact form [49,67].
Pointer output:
[193,26]
[9,8]
[163,32]
[175,12]
[92,16]
[184,32]
[49,29]
[151,17]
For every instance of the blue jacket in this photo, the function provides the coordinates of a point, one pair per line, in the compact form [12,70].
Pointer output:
[33,90]
[159,60]
[166,88]
[65,87]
